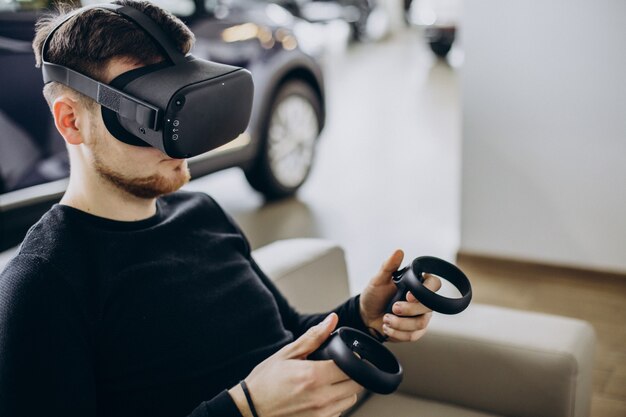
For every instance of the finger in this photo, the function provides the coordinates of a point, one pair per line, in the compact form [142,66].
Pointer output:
[401,336]
[413,307]
[338,407]
[407,309]
[324,396]
[432,282]
[388,267]
[330,373]
[310,340]
[340,390]
[407,324]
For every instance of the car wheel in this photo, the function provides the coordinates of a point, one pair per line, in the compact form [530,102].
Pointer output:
[441,39]
[288,141]
[359,26]
[440,48]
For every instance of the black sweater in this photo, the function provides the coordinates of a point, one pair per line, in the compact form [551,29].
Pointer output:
[157,317]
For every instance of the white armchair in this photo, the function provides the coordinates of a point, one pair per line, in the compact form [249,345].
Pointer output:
[487,361]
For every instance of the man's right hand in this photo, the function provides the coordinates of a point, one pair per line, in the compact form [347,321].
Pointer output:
[287,385]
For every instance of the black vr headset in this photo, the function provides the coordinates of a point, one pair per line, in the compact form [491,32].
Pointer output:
[183,106]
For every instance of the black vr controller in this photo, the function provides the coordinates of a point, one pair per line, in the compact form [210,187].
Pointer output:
[411,278]
[364,358]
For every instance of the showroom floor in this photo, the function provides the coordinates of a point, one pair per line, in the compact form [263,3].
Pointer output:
[387,176]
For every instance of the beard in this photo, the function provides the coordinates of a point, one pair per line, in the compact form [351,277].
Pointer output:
[148,187]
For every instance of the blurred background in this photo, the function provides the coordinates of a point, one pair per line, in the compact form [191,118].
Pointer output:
[488,133]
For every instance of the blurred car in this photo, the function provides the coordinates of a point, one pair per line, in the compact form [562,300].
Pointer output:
[438,19]
[361,15]
[276,151]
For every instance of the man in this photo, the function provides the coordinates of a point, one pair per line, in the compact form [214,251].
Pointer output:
[131,299]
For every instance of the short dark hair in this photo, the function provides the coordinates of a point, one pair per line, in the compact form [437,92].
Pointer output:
[88,41]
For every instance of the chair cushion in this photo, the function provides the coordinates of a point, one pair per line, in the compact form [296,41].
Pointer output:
[311,273]
[402,405]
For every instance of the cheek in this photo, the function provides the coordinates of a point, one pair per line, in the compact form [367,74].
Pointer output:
[135,160]
[121,157]
[127,158]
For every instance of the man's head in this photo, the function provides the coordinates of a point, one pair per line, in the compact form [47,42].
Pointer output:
[102,44]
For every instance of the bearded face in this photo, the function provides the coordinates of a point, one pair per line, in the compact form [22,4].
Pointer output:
[141,172]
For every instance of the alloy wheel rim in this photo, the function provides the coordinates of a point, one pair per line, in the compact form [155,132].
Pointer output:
[291,140]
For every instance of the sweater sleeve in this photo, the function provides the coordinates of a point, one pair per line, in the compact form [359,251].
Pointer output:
[45,356]
[221,405]
[46,353]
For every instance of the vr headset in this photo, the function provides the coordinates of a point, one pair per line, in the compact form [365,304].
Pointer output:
[183,106]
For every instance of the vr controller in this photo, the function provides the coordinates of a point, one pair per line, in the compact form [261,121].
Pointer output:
[364,358]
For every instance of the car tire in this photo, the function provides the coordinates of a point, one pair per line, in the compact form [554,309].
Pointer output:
[441,48]
[288,140]
[359,27]
[440,39]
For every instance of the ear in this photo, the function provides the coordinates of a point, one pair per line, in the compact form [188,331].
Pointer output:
[67,113]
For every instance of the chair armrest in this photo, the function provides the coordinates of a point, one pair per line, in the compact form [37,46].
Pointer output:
[504,361]
[311,273]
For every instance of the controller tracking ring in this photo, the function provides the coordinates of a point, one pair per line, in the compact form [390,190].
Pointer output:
[363,358]
[410,279]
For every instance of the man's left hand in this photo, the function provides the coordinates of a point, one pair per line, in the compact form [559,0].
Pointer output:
[402,325]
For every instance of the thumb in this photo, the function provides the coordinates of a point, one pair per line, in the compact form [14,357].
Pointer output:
[391,265]
[311,339]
